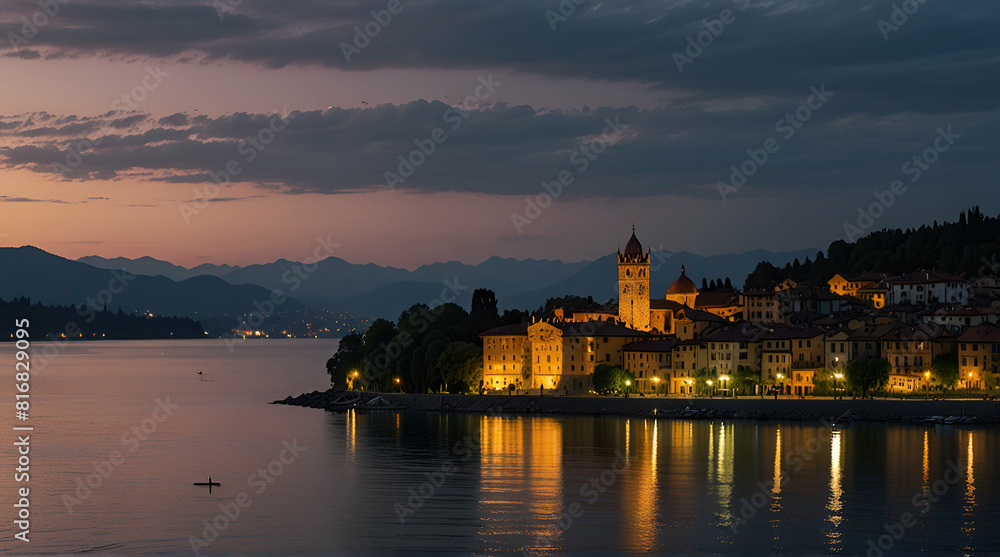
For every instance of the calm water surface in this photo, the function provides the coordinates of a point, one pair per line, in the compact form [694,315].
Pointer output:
[412,482]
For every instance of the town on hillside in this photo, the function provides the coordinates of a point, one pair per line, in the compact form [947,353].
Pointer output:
[933,329]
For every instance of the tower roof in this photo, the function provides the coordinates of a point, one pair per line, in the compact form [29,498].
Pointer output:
[683,285]
[633,247]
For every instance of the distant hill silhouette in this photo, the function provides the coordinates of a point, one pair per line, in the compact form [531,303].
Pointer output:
[962,248]
[153,267]
[379,291]
[53,280]
[74,323]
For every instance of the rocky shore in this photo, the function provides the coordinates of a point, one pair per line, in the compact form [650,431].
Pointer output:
[948,412]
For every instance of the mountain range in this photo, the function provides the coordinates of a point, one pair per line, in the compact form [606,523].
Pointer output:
[382,291]
[349,293]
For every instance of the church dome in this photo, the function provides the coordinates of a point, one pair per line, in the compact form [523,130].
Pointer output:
[683,285]
[633,248]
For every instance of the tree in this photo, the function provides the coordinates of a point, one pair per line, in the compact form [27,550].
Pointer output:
[867,374]
[945,369]
[484,315]
[744,378]
[460,365]
[611,379]
[703,375]
[379,362]
[431,355]
[823,383]
[347,359]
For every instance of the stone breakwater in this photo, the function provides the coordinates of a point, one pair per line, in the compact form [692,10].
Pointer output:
[839,411]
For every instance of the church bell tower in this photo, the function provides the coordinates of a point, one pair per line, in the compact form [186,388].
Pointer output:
[633,285]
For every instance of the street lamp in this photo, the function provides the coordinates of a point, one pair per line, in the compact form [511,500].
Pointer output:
[656,385]
[709,388]
[927,384]
[725,384]
[781,379]
[397,385]
[837,376]
[628,385]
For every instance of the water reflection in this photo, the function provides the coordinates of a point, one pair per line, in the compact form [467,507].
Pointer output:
[521,485]
[686,484]
[835,505]
[641,492]
[969,509]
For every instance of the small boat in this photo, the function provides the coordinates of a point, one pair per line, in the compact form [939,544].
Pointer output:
[209,483]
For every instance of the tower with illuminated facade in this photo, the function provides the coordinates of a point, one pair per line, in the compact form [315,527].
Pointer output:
[633,285]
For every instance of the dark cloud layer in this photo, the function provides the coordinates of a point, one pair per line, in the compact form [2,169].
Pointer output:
[512,149]
[939,68]
[942,59]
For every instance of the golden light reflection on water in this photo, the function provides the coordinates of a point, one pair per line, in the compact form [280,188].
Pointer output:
[835,505]
[927,461]
[969,509]
[352,432]
[521,471]
[641,493]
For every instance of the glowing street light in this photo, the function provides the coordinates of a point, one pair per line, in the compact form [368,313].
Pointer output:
[927,384]
[837,376]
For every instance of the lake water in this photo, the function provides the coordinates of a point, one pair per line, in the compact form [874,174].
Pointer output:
[307,481]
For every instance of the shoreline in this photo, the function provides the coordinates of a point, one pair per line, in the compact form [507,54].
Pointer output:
[947,412]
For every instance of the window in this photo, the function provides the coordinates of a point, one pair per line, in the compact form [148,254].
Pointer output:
[607,357]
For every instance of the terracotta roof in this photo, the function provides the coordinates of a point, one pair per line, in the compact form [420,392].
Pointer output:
[924,277]
[661,345]
[599,329]
[716,299]
[741,332]
[698,315]
[785,332]
[981,333]
[659,303]
[683,285]
[922,331]
[507,330]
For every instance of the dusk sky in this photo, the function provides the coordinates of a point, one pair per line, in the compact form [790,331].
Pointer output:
[168,91]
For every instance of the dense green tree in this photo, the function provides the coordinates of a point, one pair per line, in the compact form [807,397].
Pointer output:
[347,359]
[702,376]
[610,379]
[744,379]
[866,375]
[944,370]
[433,351]
[460,366]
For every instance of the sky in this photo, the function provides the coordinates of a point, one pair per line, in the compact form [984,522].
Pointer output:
[409,132]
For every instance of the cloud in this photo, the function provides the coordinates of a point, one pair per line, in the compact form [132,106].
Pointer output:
[941,60]
[512,150]
[8,199]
